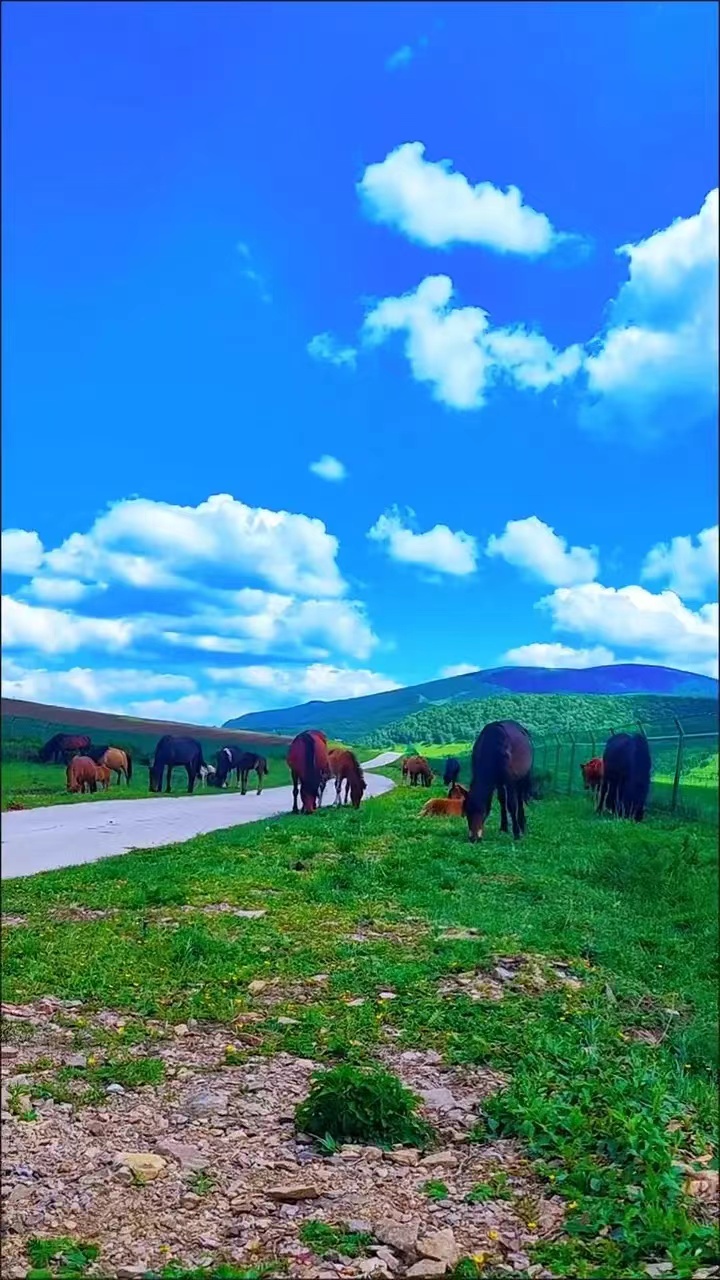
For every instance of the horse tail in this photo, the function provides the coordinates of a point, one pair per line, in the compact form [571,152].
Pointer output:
[128,757]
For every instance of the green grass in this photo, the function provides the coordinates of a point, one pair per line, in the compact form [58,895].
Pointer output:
[363,1105]
[630,909]
[323,1238]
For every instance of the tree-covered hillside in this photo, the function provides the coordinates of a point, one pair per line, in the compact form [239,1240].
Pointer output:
[547,714]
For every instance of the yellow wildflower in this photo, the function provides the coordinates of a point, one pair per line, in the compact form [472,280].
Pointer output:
[573,1204]
[532,1226]
[493,1234]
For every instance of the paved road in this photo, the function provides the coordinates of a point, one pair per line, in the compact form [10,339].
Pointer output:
[64,835]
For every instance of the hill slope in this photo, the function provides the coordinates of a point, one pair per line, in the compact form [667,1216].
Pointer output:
[356,719]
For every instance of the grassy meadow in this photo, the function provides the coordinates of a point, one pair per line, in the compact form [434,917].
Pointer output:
[610,1077]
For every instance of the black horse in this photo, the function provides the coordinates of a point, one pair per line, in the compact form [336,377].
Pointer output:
[451,772]
[626,776]
[502,759]
[242,763]
[96,753]
[62,747]
[186,753]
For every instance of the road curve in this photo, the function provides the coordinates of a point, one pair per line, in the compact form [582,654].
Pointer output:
[65,835]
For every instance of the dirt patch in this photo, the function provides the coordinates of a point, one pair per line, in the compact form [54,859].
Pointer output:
[525,974]
[79,915]
[12,922]
[231,1170]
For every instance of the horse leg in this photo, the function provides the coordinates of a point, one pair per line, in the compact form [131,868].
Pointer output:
[243,781]
[512,804]
[260,782]
[191,778]
[522,823]
[347,791]
[296,785]
[169,779]
[502,797]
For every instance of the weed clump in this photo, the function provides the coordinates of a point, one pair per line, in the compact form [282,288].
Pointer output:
[362,1104]
[324,1238]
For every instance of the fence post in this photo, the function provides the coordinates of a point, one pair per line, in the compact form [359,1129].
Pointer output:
[556,770]
[571,767]
[678,764]
[544,759]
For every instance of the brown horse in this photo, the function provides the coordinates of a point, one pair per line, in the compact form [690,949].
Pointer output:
[417,767]
[592,774]
[309,767]
[63,746]
[82,772]
[346,768]
[103,776]
[502,759]
[118,762]
[447,806]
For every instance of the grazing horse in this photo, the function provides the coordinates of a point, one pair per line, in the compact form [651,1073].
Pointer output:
[63,747]
[171,753]
[451,806]
[103,776]
[115,759]
[310,768]
[207,774]
[83,772]
[234,759]
[417,767]
[502,759]
[346,768]
[626,776]
[451,772]
[592,774]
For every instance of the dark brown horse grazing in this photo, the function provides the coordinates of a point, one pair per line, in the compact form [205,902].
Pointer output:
[417,767]
[310,768]
[502,758]
[627,765]
[83,772]
[63,747]
[346,768]
[185,753]
[234,759]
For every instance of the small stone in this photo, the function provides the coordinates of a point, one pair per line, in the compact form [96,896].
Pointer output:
[427,1267]
[320,978]
[208,1102]
[187,1157]
[250,915]
[360,1226]
[256,986]
[372,1153]
[131,1273]
[438,1099]
[20,1192]
[387,995]
[388,1257]
[287,1022]
[76,1060]
[407,1155]
[398,1235]
[371,1266]
[182,1030]
[658,1268]
[142,1164]
[440,1159]
[114,1088]
[289,1195]
[355,1004]
[441,1246]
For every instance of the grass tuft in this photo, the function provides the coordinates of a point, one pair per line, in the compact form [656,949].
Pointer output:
[362,1104]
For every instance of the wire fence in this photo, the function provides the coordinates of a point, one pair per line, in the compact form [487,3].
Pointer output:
[684,764]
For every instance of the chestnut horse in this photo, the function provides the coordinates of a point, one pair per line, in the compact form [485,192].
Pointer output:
[592,774]
[63,747]
[417,767]
[502,759]
[114,759]
[83,772]
[309,767]
[627,765]
[346,768]
[450,806]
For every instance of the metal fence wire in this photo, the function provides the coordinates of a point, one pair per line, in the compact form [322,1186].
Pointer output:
[684,763]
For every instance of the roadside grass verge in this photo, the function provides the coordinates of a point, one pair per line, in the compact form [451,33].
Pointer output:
[373,917]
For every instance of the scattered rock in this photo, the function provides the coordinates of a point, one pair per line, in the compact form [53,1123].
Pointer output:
[141,1164]
[387,995]
[371,1266]
[290,1195]
[20,1192]
[398,1235]
[441,1246]
[360,1226]
[114,1088]
[250,915]
[182,1030]
[658,1268]
[406,1155]
[287,1022]
[441,1159]
[187,1157]
[208,1103]
[76,1060]
[355,1004]
[256,986]
[427,1267]
[438,1099]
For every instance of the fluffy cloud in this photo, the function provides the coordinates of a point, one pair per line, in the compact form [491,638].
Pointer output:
[22,551]
[329,468]
[251,273]
[558,656]
[101,689]
[25,626]
[324,347]
[458,669]
[530,544]
[656,365]
[317,681]
[689,568]
[634,618]
[430,203]
[152,545]
[49,590]
[440,548]
[457,351]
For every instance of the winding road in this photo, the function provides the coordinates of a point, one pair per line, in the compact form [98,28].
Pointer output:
[65,835]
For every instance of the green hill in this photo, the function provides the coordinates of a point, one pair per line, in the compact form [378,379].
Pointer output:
[368,719]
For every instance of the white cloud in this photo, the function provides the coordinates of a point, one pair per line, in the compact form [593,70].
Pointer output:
[400,58]
[530,544]
[25,626]
[558,656]
[430,203]
[325,347]
[317,681]
[155,545]
[457,351]
[656,366]
[634,618]
[251,273]
[458,669]
[22,551]
[101,689]
[689,568]
[440,548]
[50,590]
[329,468]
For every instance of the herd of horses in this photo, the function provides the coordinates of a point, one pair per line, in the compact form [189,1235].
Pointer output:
[501,763]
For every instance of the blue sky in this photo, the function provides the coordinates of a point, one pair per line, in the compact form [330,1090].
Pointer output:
[466,252]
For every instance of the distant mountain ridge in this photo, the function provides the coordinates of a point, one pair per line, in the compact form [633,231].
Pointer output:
[350,718]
